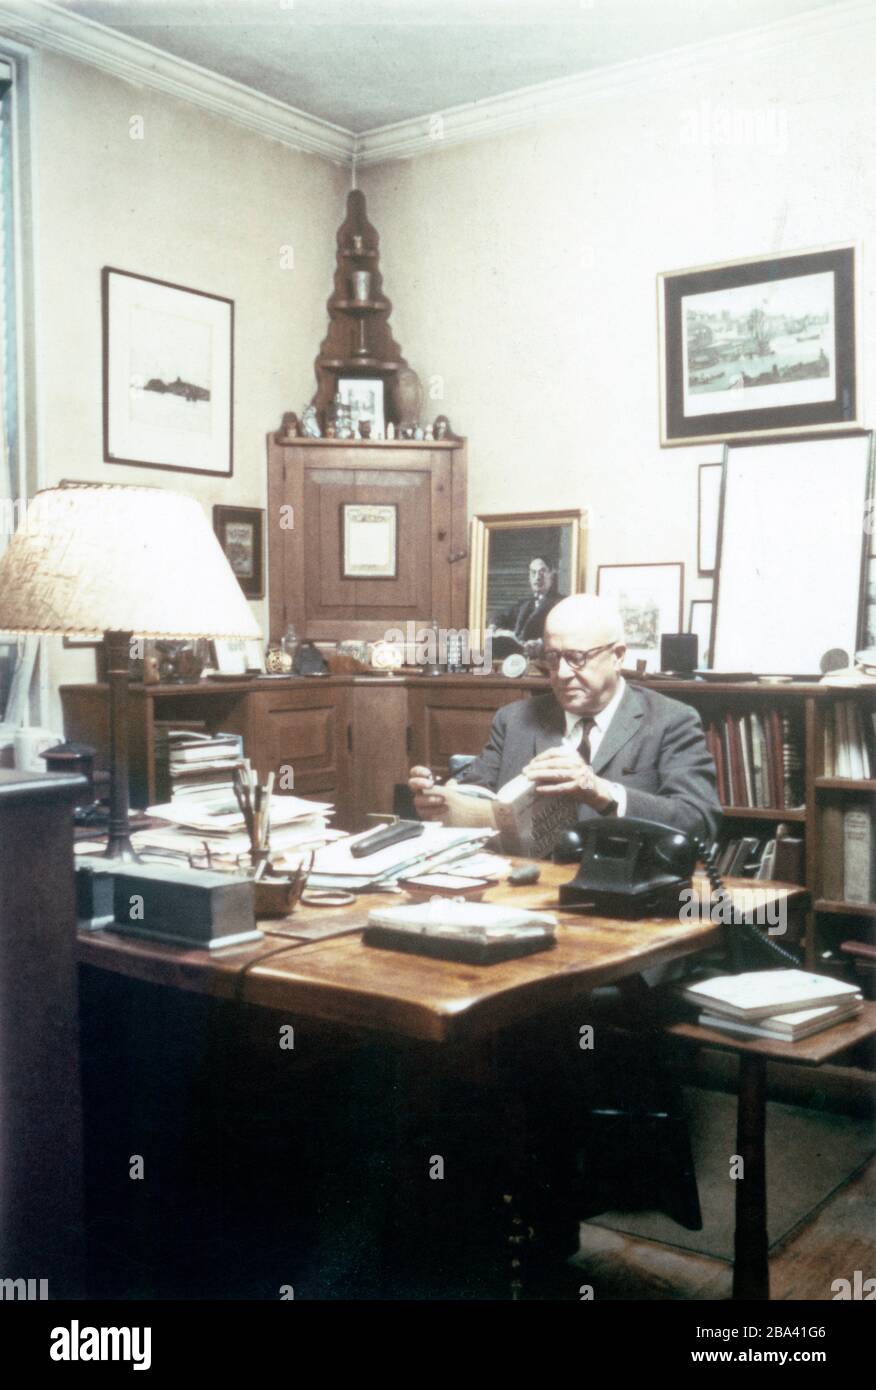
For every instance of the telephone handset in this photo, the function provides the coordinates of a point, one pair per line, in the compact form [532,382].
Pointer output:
[639,868]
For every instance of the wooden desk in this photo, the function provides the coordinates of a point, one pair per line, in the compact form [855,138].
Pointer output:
[344,982]
[341,982]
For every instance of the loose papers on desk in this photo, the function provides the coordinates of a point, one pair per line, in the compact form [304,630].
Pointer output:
[335,867]
[222,816]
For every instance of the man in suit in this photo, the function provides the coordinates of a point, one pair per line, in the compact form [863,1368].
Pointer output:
[527,620]
[604,747]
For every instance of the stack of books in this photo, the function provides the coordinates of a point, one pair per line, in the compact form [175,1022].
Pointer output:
[190,762]
[778,857]
[786,1005]
[759,759]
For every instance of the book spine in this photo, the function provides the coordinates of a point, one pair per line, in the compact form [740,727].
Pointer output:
[832,852]
[858,853]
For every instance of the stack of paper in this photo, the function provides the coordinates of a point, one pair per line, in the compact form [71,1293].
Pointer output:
[335,866]
[782,1004]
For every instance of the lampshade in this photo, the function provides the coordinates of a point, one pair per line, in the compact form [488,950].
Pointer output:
[91,558]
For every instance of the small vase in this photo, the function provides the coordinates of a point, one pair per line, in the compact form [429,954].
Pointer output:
[360,283]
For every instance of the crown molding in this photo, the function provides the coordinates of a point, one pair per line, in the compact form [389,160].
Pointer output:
[45,25]
[528,106]
[40,23]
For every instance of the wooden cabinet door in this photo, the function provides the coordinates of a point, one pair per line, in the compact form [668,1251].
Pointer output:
[454,718]
[310,482]
[306,729]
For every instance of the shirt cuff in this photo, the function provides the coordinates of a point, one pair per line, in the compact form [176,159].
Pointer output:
[620,798]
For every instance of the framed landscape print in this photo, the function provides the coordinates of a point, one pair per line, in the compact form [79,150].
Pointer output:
[168,368]
[650,599]
[241,535]
[759,347]
[521,565]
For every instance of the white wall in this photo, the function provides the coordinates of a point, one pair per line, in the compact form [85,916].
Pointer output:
[522,269]
[199,202]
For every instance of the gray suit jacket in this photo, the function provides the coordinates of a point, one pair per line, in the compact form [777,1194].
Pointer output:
[654,747]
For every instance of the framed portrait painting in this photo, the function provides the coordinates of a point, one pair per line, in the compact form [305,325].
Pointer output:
[241,535]
[760,347]
[522,564]
[650,599]
[168,369]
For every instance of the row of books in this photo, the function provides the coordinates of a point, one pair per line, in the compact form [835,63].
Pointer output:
[849,740]
[778,856]
[848,850]
[783,1004]
[759,759]
[191,762]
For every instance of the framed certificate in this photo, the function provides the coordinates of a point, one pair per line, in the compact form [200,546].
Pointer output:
[369,541]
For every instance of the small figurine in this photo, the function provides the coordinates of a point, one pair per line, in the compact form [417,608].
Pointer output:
[441,427]
[288,428]
[427,433]
[418,431]
[365,429]
[390,430]
[310,424]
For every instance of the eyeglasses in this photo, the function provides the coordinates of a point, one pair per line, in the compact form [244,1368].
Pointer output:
[577,660]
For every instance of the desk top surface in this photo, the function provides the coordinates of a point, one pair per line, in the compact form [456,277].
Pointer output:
[341,980]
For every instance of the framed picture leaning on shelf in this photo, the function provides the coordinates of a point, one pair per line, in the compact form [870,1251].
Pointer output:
[650,599]
[765,346]
[700,624]
[793,556]
[364,398]
[168,375]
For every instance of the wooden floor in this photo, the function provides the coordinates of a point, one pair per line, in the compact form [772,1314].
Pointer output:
[839,1239]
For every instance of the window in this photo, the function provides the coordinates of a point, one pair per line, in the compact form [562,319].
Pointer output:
[13,462]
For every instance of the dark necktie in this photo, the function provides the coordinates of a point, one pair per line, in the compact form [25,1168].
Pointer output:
[587,725]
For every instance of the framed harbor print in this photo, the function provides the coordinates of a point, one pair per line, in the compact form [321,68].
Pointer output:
[650,599]
[522,564]
[759,347]
[168,375]
[792,555]
[241,535]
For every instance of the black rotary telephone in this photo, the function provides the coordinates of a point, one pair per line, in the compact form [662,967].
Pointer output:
[639,868]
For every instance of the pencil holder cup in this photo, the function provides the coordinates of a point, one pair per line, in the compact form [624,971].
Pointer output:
[278,897]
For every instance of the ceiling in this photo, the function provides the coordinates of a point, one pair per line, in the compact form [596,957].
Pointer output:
[362,64]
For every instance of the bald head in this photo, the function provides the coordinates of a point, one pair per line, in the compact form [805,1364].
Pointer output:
[583,621]
[575,628]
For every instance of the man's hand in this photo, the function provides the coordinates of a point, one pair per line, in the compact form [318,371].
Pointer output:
[428,800]
[563,772]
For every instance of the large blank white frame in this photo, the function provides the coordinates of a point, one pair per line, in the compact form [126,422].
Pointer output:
[792,549]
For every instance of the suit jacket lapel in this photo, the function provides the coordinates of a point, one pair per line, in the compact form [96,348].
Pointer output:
[626,722]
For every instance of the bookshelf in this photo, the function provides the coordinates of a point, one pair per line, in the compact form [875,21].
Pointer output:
[808,707]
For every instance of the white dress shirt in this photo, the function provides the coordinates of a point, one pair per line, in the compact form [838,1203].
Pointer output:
[601,722]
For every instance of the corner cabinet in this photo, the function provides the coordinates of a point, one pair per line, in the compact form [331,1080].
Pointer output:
[311,480]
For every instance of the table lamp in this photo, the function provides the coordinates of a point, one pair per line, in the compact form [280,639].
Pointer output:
[119,562]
